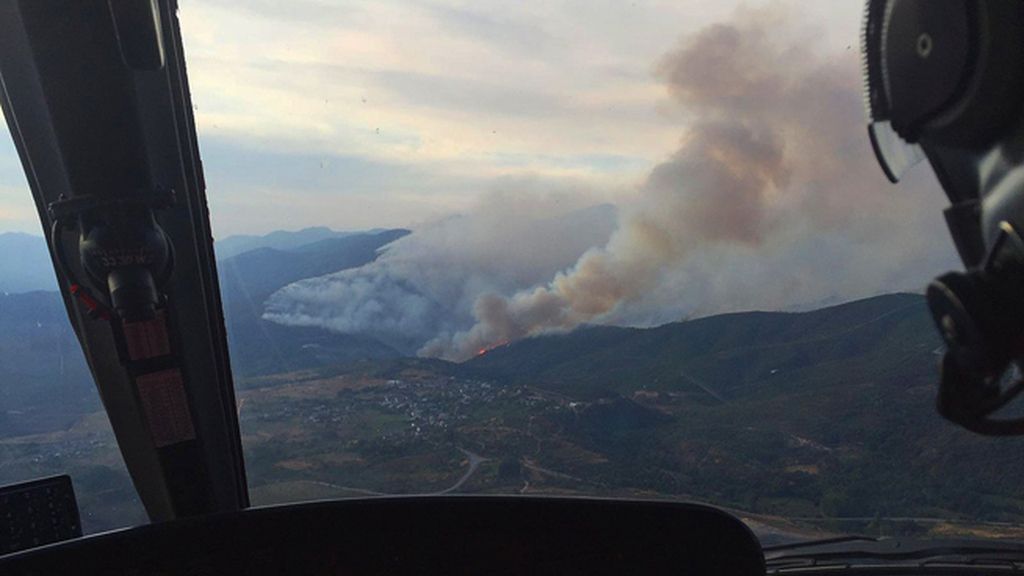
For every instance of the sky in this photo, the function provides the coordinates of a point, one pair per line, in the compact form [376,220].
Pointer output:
[560,163]
[395,113]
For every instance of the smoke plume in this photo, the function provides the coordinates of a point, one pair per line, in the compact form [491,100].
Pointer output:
[771,200]
[775,142]
[425,284]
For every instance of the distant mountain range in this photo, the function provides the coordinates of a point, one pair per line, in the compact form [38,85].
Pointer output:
[280,240]
[25,261]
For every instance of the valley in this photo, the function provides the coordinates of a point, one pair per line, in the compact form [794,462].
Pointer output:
[807,423]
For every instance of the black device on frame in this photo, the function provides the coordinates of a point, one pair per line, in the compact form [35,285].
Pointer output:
[944,83]
[38,513]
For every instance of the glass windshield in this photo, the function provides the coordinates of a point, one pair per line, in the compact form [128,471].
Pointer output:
[486,248]
[577,248]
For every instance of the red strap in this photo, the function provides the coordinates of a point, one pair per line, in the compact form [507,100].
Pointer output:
[96,310]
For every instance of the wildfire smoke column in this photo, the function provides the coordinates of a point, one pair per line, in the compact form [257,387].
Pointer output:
[773,133]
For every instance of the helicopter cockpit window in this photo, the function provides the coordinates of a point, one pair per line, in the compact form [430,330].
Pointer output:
[563,248]
[439,226]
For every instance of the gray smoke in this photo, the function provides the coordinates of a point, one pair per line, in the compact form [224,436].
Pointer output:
[425,284]
[774,161]
[771,200]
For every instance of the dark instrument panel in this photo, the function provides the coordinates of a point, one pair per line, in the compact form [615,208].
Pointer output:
[420,535]
[37,513]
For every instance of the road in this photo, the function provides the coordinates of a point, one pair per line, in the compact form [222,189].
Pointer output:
[345,488]
[703,386]
[475,460]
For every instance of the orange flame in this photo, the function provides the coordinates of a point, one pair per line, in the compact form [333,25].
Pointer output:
[483,351]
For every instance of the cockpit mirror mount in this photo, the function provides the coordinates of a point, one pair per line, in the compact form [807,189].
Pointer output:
[125,255]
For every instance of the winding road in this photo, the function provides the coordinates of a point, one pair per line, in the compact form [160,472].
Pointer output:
[475,460]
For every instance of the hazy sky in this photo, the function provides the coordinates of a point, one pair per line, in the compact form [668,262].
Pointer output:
[364,114]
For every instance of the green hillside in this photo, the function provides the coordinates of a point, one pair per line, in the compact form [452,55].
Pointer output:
[825,418]
[821,414]
[735,354]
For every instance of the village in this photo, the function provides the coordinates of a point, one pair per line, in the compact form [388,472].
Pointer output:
[414,408]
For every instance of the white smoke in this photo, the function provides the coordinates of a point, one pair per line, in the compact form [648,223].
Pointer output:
[772,199]
[425,284]
[775,163]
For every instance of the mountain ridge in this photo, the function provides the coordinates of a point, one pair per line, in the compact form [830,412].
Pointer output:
[595,354]
[25,264]
[236,244]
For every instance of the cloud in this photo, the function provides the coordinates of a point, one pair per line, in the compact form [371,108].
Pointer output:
[412,83]
[381,92]
[381,82]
